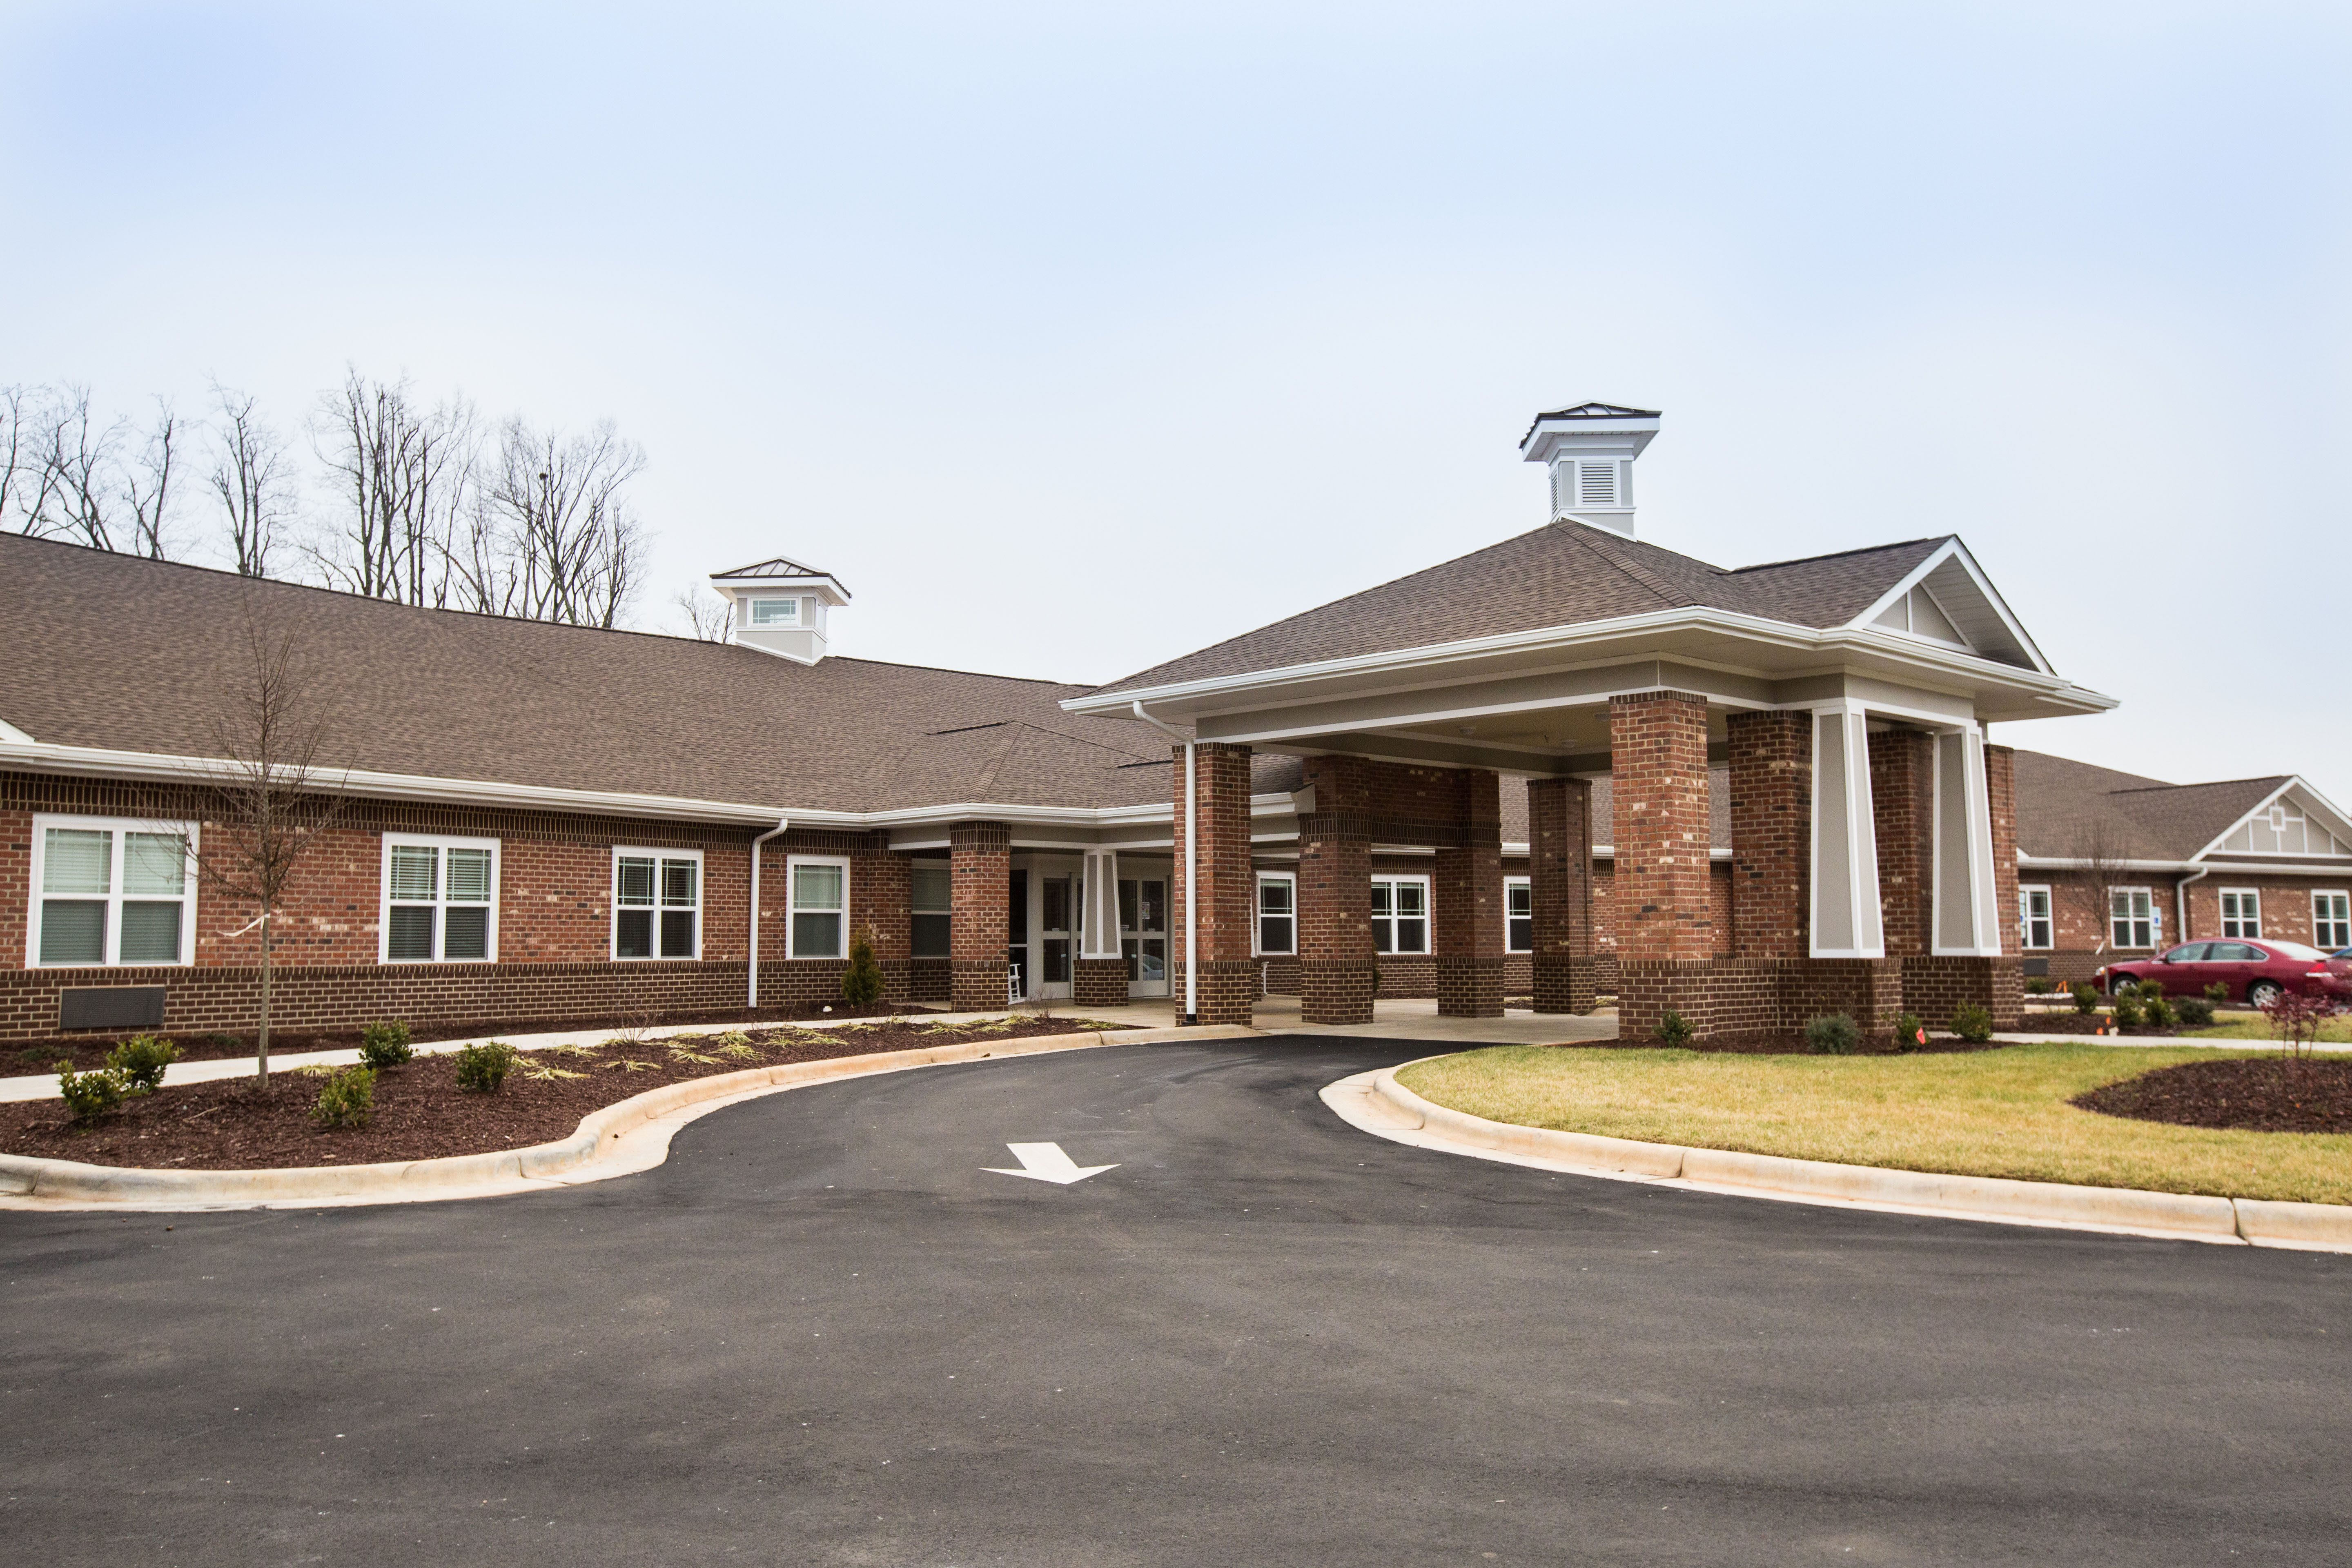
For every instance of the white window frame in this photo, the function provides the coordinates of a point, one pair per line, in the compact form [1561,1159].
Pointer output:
[1428,916]
[2320,923]
[660,904]
[1258,917]
[2049,918]
[2155,925]
[790,620]
[443,842]
[1509,884]
[110,950]
[2233,926]
[792,863]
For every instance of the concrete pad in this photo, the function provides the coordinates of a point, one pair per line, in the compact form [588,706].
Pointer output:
[1412,1019]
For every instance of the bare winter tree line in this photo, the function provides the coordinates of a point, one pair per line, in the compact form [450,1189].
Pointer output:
[377,492]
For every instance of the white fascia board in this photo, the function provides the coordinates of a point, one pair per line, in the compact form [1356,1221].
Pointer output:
[1953,550]
[13,736]
[1609,852]
[1418,661]
[2075,863]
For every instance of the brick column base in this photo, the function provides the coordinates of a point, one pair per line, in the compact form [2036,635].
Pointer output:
[977,985]
[1936,988]
[1336,991]
[1228,990]
[1564,984]
[1099,983]
[1748,995]
[1469,987]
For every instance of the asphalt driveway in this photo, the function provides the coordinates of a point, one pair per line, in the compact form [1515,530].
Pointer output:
[824,1333]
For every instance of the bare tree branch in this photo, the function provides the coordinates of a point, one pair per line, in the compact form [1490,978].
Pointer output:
[706,619]
[73,469]
[553,539]
[249,476]
[147,486]
[2102,847]
[406,475]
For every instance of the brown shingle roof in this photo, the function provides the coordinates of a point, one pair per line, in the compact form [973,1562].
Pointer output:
[1564,574]
[2060,803]
[117,652]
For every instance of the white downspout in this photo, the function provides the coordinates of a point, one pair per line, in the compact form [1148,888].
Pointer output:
[1191,863]
[782,824]
[2180,900]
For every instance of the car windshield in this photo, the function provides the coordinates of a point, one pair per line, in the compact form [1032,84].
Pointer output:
[2296,951]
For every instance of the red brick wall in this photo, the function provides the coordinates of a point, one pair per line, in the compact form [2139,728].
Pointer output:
[2001,801]
[1560,973]
[1336,973]
[1771,783]
[1229,977]
[1658,763]
[1467,899]
[979,873]
[1902,800]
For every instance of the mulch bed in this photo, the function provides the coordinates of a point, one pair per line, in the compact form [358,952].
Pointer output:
[2256,1094]
[2090,1024]
[420,1112]
[1773,1043]
[87,1052]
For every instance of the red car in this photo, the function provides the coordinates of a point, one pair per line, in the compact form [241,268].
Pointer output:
[2254,972]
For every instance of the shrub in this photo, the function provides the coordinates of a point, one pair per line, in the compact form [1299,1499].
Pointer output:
[2195,1012]
[2040,988]
[1834,1034]
[2086,998]
[2127,1012]
[1910,1030]
[2158,1013]
[483,1069]
[88,1094]
[2218,993]
[349,1099]
[1673,1029]
[385,1045]
[2295,1020]
[861,983]
[140,1060]
[1972,1023]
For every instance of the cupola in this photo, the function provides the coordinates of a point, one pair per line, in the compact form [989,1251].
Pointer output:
[1591,450]
[780,606]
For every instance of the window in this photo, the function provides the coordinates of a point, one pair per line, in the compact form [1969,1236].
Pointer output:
[2331,920]
[820,906]
[2034,922]
[2242,912]
[1277,912]
[1518,915]
[2235,952]
[440,899]
[931,899]
[110,892]
[656,903]
[775,612]
[1399,914]
[2131,918]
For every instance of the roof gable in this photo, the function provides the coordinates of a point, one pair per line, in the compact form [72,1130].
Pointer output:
[2293,821]
[1947,598]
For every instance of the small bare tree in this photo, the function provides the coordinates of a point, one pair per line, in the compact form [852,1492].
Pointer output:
[273,799]
[67,491]
[706,619]
[249,476]
[406,476]
[2103,850]
[554,538]
[147,485]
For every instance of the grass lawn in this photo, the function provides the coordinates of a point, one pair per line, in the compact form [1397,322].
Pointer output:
[2248,1025]
[1986,1113]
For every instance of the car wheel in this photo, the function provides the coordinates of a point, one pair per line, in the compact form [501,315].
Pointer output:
[2263,993]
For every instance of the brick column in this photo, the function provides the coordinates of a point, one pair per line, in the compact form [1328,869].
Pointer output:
[1559,893]
[980,867]
[1466,887]
[1666,937]
[1902,800]
[1337,972]
[1771,832]
[1228,893]
[2008,972]
[880,893]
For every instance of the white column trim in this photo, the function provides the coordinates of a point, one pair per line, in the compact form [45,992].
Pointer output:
[1974,866]
[1098,933]
[1853,904]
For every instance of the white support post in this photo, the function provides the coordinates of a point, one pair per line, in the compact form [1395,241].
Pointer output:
[1099,937]
[1845,921]
[1966,922]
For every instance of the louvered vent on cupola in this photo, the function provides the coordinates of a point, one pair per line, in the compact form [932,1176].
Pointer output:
[1591,448]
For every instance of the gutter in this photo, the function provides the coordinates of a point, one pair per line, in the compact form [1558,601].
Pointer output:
[783,822]
[2180,898]
[1192,863]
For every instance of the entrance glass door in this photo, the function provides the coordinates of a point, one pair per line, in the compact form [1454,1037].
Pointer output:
[1143,934]
[1056,921]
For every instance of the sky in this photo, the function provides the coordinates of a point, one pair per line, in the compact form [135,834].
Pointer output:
[1072,338]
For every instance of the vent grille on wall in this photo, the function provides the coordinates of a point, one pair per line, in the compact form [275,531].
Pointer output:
[1596,484]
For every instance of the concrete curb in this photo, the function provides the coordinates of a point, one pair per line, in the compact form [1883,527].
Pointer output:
[619,1140]
[1377,1103]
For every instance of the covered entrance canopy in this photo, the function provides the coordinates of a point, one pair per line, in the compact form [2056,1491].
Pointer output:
[1873,844]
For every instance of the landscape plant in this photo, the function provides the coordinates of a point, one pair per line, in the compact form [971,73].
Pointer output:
[2086,998]
[88,1094]
[483,1067]
[385,1045]
[1833,1034]
[140,1062]
[1910,1031]
[2195,1012]
[1673,1029]
[2218,993]
[1972,1021]
[2158,1013]
[348,1100]
[2127,1012]
[2295,1020]
[861,983]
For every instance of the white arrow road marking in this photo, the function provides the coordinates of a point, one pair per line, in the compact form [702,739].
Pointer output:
[1046,1163]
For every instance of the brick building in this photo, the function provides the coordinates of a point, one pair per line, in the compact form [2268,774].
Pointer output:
[1568,763]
